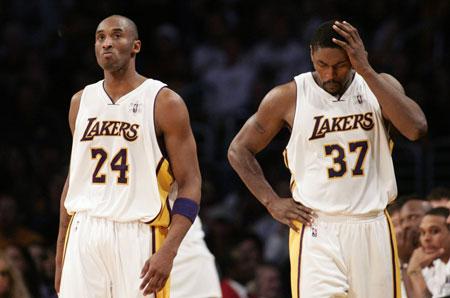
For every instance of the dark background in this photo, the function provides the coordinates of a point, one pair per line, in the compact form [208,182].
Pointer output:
[221,57]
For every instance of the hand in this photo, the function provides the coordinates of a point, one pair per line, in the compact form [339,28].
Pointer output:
[156,271]
[286,211]
[420,259]
[406,243]
[353,45]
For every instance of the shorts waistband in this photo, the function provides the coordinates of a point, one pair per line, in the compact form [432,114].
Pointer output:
[348,218]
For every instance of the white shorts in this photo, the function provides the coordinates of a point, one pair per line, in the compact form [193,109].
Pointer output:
[103,258]
[194,273]
[345,257]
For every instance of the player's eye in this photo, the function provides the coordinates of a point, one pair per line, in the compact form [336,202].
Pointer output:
[435,231]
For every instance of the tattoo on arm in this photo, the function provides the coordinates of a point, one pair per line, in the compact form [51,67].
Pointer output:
[259,128]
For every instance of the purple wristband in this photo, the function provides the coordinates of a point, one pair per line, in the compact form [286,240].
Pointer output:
[186,207]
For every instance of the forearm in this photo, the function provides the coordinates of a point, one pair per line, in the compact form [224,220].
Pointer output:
[63,225]
[402,112]
[178,229]
[187,189]
[417,284]
[247,167]
[191,189]
[64,220]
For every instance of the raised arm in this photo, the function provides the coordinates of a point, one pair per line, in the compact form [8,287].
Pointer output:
[64,217]
[276,110]
[172,122]
[399,109]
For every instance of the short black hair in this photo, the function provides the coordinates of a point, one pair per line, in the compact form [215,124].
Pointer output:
[439,211]
[322,37]
[394,207]
[438,193]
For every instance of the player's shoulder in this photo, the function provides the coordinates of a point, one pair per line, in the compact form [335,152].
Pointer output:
[76,99]
[280,98]
[168,99]
[393,81]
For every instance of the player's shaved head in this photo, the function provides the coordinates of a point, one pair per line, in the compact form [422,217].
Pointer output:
[124,22]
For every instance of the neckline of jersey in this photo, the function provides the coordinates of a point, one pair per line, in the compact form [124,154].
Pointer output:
[123,97]
[331,97]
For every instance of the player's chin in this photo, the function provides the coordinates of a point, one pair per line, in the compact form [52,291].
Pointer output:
[430,249]
[108,65]
[332,88]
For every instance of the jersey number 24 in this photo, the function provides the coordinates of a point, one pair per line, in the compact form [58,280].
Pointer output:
[118,163]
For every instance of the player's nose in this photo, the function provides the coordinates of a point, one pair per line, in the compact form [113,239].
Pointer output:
[329,73]
[107,43]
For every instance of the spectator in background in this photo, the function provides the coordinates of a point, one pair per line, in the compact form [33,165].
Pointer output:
[11,232]
[268,282]
[23,262]
[411,215]
[429,266]
[245,256]
[394,212]
[279,52]
[47,273]
[439,197]
[11,282]
[227,91]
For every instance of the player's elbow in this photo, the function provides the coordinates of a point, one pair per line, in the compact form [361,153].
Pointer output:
[418,131]
[234,153]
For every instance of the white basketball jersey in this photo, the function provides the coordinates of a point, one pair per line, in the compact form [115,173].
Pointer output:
[116,164]
[339,154]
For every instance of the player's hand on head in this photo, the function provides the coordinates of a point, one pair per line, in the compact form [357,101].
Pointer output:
[156,271]
[288,211]
[353,45]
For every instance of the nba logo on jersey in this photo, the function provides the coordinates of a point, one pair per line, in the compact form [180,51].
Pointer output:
[359,98]
[135,107]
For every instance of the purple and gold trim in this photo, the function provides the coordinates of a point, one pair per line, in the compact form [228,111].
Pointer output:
[395,260]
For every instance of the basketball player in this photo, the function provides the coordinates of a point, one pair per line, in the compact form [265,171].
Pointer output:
[194,273]
[114,206]
[341,240]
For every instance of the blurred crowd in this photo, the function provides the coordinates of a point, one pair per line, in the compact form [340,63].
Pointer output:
[422,227]
[222,57]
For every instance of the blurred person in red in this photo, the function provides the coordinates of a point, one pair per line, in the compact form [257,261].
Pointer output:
[244,259]
[268,282]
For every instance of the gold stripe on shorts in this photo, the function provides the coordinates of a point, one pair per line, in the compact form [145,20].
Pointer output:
[159,234]
[66,239]
[295,254]
[395,261]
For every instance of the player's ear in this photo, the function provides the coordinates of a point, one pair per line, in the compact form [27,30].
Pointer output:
[136,46]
